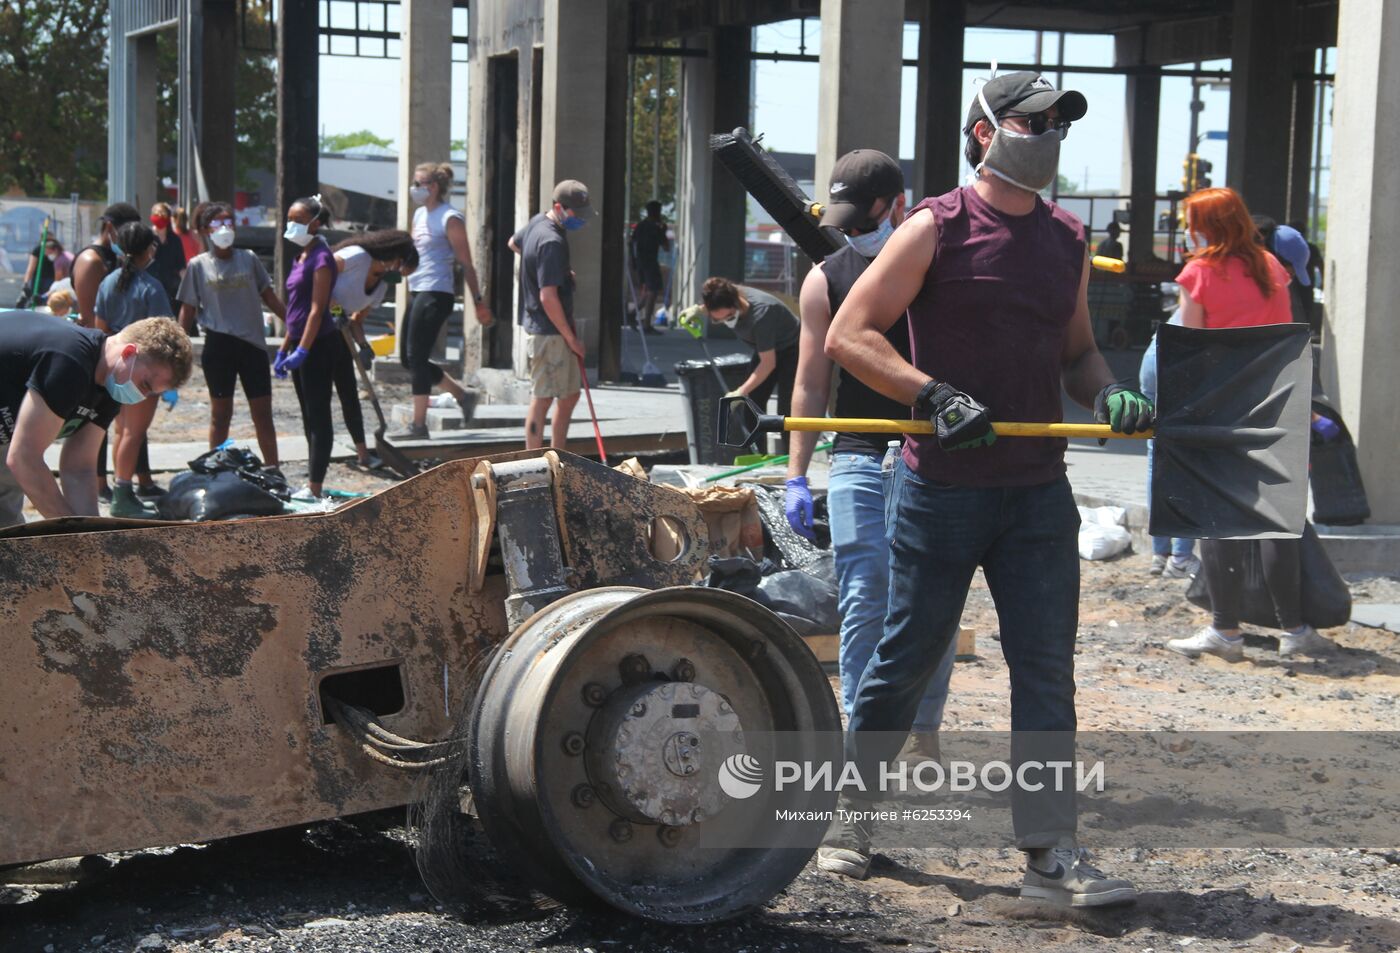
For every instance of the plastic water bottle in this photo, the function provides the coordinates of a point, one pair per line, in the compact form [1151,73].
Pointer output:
[891,457]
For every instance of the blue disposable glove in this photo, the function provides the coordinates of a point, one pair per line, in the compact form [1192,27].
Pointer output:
[171,398]
[798,506]
[1326,428]
[295,359]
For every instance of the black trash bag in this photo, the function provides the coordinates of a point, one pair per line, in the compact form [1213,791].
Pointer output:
[803,598]
[1326,600]
[221,495]
[1339,496]
[247,465]
[783,541]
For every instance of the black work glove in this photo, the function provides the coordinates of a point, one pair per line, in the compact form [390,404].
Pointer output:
[959,422]
[1124,409]
[23,300]
[366,356]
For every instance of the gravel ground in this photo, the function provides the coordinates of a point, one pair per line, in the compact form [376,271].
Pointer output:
[351,885]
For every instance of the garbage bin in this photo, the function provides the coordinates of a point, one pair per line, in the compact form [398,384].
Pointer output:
[702,394]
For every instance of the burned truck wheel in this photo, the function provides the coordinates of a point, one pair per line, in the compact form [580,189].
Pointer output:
[600,730]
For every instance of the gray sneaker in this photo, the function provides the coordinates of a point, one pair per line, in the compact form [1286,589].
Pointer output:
[411,432]
[1184,567]
[1306,642]
[1209,642]
[846,849]
[1070,881]
[1159,563]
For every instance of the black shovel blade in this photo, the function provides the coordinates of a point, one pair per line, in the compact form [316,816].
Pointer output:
[741,420]
[1233,412]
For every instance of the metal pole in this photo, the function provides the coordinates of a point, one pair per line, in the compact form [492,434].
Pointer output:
[656,133]
[1320,106]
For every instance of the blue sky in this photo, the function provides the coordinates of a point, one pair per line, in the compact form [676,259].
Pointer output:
[364,94]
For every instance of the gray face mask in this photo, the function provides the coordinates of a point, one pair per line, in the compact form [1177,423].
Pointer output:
[1025,161]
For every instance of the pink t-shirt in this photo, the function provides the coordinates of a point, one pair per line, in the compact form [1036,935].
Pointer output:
[1229,295]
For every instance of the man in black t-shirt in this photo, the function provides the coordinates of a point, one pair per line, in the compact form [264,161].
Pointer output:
[765,324]
[56,379]
[648,238]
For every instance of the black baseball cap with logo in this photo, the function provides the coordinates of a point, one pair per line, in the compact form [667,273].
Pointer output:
[858,180]
[1026,92]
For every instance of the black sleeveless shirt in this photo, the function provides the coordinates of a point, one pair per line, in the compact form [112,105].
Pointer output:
[853,397]
[109,257]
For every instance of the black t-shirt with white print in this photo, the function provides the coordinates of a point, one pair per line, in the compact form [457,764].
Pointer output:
[57,360]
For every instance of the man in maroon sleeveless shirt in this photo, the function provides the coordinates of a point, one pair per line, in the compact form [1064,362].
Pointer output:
[994,283]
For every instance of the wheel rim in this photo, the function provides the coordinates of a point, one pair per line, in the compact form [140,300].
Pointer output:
[587,763]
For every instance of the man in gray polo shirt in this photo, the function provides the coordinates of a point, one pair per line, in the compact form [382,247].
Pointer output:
[547,312]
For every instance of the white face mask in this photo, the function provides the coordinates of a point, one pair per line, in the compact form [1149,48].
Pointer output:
[869,244]
[298,234]
[730,321]
[222,237]
[419,194]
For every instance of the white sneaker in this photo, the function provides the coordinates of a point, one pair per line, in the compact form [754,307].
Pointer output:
[1305,642]
[1159,563]
[304,495]
[1071,882]
[1209,641]
[1182,568]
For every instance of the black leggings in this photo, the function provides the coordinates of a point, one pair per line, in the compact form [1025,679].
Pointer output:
[143,460]
[1223,563]
[784,378]
[348,390]
[313,381]
[425,318]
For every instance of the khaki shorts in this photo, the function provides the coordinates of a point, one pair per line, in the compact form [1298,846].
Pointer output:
[553,367]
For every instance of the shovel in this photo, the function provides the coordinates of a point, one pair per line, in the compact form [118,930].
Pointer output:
[392,456]
[1232,434]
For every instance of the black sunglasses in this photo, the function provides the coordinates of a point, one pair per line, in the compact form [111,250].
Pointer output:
[1040,123]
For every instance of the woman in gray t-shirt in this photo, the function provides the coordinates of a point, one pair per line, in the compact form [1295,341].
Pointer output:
[225,290]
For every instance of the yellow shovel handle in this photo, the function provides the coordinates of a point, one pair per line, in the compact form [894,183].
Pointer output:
[881,425]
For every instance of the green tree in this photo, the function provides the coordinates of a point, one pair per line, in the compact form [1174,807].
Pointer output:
[648,149]
[1066,185]
[53,84]
[339,142]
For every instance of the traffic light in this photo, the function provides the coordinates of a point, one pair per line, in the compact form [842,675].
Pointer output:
[1190,169]
[1203,168]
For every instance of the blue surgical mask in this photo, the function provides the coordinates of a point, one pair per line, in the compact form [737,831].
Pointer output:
[117,249]
[573,223]
[869,244]
[127,393]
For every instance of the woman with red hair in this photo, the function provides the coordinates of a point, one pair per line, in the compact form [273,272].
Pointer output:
[1232,281]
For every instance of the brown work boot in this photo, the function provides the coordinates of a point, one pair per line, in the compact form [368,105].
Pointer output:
[919,747]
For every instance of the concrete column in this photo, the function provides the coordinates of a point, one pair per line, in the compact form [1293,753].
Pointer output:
[858,92]
[1142,112]
[574,122]
[218,67]
[425,105]
[145,174]
[1361,343]
[1261,80]
[940,111]
[1301,142]
[697,168]
[732,96]
[298,149]
[612,208]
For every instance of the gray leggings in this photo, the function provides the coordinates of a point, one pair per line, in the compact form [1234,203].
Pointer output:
[1223,563]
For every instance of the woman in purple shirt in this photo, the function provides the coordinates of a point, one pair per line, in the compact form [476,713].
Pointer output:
[308,351]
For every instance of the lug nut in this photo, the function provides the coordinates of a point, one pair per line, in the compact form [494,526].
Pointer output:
[669,836]
[683,671]
[594,695]
[573,743]
[620,830]
[697,815]
[634,667]
[639,709]
[583,796]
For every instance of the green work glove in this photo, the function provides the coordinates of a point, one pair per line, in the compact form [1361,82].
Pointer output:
[959,422]
[1125,410]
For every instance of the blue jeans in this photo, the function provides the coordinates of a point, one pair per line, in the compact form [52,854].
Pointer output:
[856,499]
[1147,377]
[1026,541]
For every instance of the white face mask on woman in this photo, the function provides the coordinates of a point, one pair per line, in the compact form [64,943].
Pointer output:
[222,237]
[298,234]
[419,194]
